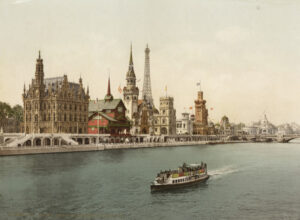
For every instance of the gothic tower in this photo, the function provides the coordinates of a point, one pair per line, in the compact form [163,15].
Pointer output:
[131,91]
[39,76]
[147,94]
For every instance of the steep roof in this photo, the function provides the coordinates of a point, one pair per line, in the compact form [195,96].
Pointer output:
[52,81]
[103,115]
[100,105]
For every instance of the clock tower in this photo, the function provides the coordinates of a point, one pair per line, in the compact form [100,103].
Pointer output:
[131,91]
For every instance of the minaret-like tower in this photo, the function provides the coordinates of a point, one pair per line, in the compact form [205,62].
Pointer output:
[130,91]
[200,126]
[147,94]
[201,113]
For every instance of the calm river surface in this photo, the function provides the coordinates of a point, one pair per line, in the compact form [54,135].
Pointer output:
[248,181]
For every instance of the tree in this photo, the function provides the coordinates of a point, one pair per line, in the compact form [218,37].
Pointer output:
[7,112]
[18,113]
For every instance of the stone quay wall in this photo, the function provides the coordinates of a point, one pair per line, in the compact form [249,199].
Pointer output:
[7,151]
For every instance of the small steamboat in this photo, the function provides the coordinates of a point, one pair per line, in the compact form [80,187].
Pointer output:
[185,175]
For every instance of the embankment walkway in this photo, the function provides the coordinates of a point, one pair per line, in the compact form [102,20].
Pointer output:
[8,151]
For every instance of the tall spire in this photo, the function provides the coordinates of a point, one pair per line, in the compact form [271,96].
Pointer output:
[108,87]
[39,54]
[130,59]
[147,93]
[130,72]
[108,96]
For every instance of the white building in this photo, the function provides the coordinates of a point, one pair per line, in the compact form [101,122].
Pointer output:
[165,121]
[184,125]
[263,127]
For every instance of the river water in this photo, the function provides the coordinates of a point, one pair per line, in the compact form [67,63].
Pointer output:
[248,181]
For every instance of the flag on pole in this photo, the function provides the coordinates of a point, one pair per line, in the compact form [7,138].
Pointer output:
[120,89]
[191,107]
[211,108]
[198,83]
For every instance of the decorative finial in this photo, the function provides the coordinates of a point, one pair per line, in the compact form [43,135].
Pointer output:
[39,54]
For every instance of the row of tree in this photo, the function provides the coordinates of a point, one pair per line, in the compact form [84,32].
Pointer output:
[8,112]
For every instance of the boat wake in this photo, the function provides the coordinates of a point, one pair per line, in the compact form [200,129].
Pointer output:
[218,173]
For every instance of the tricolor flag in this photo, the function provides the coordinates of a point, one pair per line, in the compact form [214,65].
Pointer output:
[120,89]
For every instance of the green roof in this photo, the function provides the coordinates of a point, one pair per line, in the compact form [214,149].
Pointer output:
[100,105]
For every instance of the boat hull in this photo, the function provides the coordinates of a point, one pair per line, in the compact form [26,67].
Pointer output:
[155,188]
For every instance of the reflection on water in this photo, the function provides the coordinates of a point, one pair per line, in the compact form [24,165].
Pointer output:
[116,184]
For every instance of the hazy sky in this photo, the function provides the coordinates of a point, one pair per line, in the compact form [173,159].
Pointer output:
[245,52]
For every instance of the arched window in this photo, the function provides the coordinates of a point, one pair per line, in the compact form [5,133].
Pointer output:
[36,118]
[65,117]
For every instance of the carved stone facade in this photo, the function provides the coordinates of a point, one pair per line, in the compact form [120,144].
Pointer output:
[55,105]
[144,120]
[131,91]
[165,121]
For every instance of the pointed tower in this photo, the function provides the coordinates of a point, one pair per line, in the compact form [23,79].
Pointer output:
[131,91]
[147,93]
[108,96]
[39,71]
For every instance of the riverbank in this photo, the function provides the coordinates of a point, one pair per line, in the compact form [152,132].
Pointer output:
[9,151]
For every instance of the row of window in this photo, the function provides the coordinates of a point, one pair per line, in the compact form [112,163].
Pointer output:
[180,125]
[65,117]
[182,180]
[60,106]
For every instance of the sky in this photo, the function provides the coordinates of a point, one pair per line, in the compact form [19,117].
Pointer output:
[246,53]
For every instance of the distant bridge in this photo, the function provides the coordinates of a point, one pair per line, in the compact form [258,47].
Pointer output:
[272,138]
[48,139]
